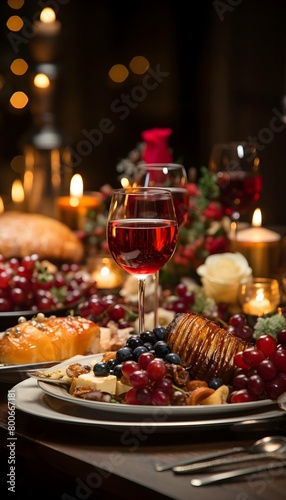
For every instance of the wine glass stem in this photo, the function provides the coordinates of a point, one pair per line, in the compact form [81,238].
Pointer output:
[156,299]
[141,304]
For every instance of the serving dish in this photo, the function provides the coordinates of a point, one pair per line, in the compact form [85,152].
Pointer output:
[31,399]
[206,411]
[10,318]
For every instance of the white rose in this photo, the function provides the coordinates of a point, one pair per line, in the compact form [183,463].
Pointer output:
[221,275]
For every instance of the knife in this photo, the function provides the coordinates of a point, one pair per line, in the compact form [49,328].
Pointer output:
[222,476]
[28,367]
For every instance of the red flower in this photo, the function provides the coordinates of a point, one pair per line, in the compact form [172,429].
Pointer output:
[213,211]
[156,149]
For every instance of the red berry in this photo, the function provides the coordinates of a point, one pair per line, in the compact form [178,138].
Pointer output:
[266,344]
[156,369]
[252,356]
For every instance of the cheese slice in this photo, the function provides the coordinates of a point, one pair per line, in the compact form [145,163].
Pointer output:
[121,388]
[104,384]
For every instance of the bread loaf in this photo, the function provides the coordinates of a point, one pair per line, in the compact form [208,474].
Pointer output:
[23,234]
[49,339]
[205,348]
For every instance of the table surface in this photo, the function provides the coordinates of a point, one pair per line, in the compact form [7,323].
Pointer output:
[96,459]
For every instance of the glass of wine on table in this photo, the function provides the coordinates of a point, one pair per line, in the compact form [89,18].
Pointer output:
[173,177]
[237,166]
[142,231]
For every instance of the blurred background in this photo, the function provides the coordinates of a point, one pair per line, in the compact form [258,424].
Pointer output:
[216,72]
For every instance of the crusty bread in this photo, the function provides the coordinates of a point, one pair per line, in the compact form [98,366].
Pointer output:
[23,234]
[49,339]
[205,348]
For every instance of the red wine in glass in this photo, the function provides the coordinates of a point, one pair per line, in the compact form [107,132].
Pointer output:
[238,191]
[142,247]
[142,231]
[237,166]
[171,176]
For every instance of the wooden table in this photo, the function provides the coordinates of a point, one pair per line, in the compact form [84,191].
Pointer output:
[68,462]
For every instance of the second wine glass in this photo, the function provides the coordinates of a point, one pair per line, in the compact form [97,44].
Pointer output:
[237,166]
[171,176]
[142,231]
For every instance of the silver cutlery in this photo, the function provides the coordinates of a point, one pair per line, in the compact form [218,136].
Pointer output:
[202,466]
[27,367]
[223,476]
[49,380]
[266,444]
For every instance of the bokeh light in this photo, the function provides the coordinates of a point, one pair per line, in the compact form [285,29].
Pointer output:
[19,100]
[139,65]
[19,67]
[118,73]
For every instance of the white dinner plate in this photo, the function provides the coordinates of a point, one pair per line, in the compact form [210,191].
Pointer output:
[207,411]
[30,399]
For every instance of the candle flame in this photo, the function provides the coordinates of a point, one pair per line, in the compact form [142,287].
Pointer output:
[260,296]
[17,192]
[105,271]
[125,182]
[76,190]
[41,81]
[47,15]
[257,218]
[1,206]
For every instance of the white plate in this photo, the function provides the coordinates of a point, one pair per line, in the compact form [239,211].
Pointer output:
[206,411]
[12,374]
[30,399]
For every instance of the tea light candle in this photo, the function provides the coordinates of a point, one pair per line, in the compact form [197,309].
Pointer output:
[259,306]
[73,210]
[47,25]
[105,272]
[17,195]
[259,296]
[260,246]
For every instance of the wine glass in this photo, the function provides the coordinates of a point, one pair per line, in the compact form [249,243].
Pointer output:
[237,166]
[171,176]
[142,231]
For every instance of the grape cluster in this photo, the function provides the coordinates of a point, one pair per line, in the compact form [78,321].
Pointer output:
[104,309]
[183,301]
[29,284]
[142,362]
[238,326]
[261,370]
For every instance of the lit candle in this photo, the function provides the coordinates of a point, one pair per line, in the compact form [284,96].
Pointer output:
[1,205]
[258,306]
[105,272]
[47,25]
[73,210]
[260,246]
[17,195]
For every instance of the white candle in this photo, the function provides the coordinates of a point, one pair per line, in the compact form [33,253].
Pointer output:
[258,306]
[47,25]
[260,246]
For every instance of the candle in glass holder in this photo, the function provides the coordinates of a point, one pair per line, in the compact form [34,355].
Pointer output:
[260,296]
[260,246]
[106,273]
[73,210]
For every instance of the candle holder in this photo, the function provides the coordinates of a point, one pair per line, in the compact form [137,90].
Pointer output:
[259,297]
[107,274]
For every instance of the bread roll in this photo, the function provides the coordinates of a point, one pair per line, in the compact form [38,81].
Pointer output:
[205,348]
[49,339]
[23,234]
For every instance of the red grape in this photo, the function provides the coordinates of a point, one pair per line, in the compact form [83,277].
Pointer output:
[266,344]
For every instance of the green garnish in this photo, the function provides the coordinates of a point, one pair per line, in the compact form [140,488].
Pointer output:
[270,325]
